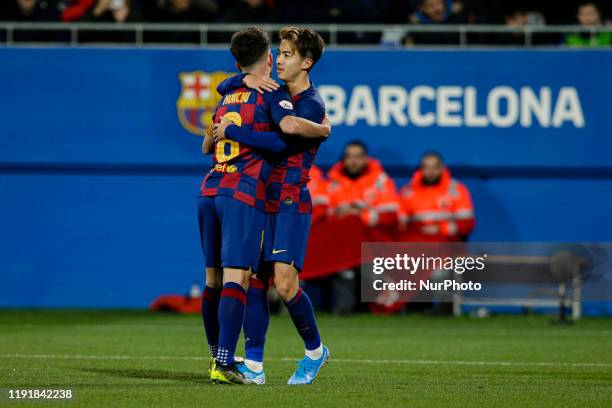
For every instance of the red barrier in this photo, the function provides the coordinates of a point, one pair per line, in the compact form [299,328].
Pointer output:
[335,245]
[177,303]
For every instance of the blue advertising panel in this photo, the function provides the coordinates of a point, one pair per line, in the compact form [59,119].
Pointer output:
[480,108]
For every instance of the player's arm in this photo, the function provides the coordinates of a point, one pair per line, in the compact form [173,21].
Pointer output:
[292,125]
[238,81]
[283,114]
[313,111]
[272,141]
[208,142]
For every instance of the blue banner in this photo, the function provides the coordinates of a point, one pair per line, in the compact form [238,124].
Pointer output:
[479,108]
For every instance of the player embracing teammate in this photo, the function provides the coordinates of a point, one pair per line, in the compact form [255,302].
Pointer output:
[255,197]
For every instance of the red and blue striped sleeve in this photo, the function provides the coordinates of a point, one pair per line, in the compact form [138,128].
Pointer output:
[273,141]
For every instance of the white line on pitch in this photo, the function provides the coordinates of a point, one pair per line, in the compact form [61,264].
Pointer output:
[476,363]
[94,357]
[542,332]
[338,360]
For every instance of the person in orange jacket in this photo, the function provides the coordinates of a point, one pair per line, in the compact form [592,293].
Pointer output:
[434,206]
[359,186]
[318,193]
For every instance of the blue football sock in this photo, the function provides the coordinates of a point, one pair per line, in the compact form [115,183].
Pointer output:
[302,314]
[231,317]
[210,316]
[256,320]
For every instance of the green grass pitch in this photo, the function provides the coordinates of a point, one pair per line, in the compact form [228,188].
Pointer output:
[115,359]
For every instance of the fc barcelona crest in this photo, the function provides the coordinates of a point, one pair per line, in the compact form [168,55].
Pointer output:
[198,100]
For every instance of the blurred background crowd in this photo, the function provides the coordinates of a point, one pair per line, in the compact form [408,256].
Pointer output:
[510,13]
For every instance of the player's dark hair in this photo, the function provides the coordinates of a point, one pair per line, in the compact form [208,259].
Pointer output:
[588,3]
[307,42]
[514,11]
[433,153]
[357,143]
[249,45]
[422,2]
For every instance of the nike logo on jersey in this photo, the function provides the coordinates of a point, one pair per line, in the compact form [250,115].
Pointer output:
[278,251]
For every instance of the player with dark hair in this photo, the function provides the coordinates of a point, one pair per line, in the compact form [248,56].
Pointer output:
[288,206]
[232,200]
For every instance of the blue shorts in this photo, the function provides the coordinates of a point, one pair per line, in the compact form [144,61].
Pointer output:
[286,237]
[231,232]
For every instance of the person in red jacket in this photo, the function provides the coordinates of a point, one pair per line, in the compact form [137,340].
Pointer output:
[318,193]
[434,206]
[359,186]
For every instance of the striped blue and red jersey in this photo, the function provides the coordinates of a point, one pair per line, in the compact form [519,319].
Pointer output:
[287,189]
[238,170]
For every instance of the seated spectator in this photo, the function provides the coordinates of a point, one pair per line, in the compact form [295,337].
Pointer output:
[434,206]
[516,18]
[30,11]
[519,18]
[318,194]
[436,12]
[589,16]
[183,11]
[112,11]
[359,186]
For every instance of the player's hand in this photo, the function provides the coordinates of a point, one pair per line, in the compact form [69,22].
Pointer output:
[260,84]
[220,127]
